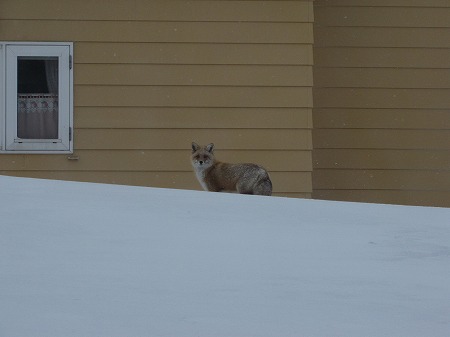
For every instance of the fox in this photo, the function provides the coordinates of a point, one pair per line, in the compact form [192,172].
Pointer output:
[217,176]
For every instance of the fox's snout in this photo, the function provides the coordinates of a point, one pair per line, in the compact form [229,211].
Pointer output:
[201,161]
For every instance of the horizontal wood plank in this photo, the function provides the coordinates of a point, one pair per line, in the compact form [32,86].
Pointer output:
[342,118]
[381,139]
[153,160]
[141,31]
[381,98]
[326,77]
[382,37]
[158,139]
[193,53]
[193,75]
[364,159]
[161,10]
[411,180]
[373,16]
[371,57]
[383,3]
[192,118]
[292,182]
[188,96]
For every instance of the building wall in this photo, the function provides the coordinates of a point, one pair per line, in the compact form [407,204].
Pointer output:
[152,76]
[381,101]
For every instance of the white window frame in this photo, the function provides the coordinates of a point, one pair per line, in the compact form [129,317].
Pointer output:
[9,142]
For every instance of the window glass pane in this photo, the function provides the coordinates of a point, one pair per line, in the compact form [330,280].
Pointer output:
[37,97]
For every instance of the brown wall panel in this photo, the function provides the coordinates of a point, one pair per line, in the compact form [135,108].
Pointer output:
[236,139]
[381,139]
[404,180]
[384,3]
[391,57]
[194,53]
[381,98]
[360,118]
[381,159]
[160,10]
[192,118]
[193,96]
[145,31]
[404,78]
[381,37]
[193,75]
[384,16]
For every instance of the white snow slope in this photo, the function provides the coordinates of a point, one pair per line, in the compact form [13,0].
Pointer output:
[94,260]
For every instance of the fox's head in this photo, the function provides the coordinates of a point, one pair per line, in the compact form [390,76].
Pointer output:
[202,156]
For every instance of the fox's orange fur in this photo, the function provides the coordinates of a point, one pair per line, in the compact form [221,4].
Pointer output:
[216,176]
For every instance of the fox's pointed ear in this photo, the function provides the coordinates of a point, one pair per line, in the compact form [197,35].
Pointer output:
[210,148]
[195,147]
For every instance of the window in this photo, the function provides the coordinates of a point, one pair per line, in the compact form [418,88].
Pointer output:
[36,92]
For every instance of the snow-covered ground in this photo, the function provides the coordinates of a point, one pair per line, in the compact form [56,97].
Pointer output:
[80,259]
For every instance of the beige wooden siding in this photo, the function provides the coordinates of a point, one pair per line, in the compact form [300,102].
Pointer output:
[152,76]
[381,101]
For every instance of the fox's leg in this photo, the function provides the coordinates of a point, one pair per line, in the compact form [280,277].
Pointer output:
[244,188]
[214,188]
[263,187]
